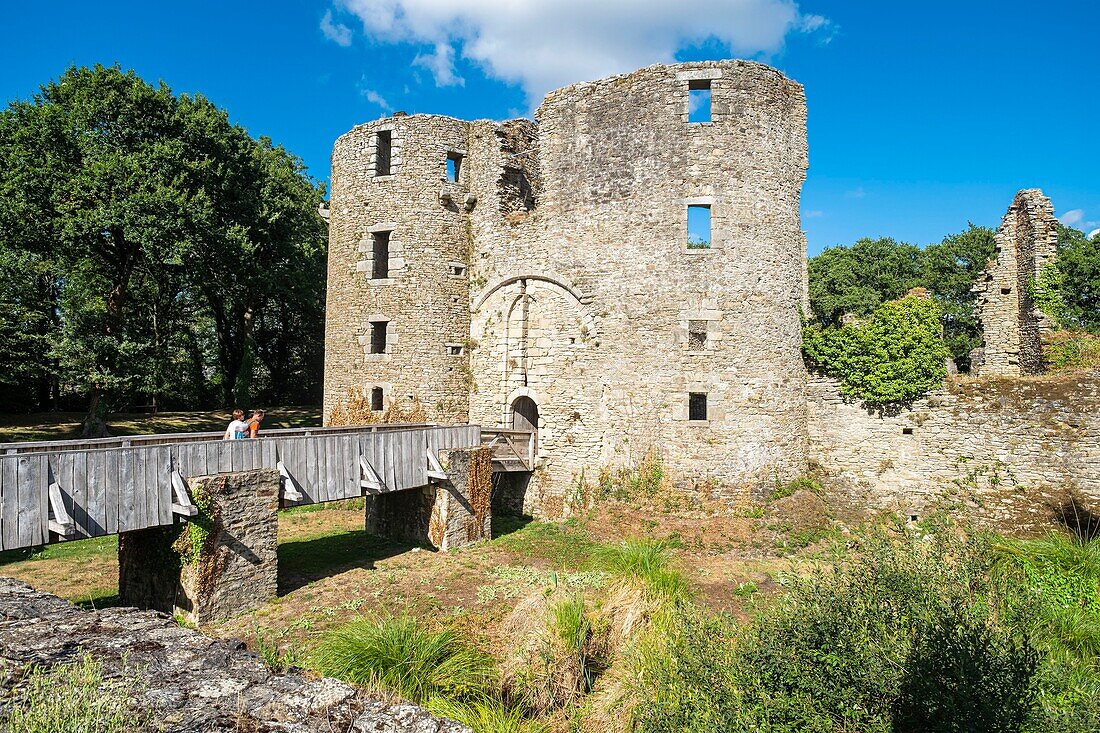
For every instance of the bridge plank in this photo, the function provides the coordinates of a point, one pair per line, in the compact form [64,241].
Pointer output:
[164,486]
[351,466]
[93,477]
[126,500]
[110,485]
[140,488]
[9,502]
[64,472]
[224,458]
[32,517]
[81,495]
[332,468]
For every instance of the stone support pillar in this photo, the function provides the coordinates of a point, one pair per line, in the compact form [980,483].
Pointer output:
[444,515]
[219,564]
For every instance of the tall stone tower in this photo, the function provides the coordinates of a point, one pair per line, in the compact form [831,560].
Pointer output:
[634,270]
[1012,325]
[398,312]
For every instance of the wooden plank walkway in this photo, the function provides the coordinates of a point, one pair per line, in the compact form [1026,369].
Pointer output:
[76,489]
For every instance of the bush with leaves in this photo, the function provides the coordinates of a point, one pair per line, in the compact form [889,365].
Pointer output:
[896,355]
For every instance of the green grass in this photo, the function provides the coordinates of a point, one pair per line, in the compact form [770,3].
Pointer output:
[16,428]
[564,544]
[647,563]
[75,698]
[75,551]
[486,716]
[398,655]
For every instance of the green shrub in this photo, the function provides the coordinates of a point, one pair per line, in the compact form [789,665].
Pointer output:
[1069,350]
[644,480]
[75,698]
[396,654]
[853,648]
[896,355]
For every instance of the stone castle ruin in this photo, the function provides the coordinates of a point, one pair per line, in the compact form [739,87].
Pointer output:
[541,275]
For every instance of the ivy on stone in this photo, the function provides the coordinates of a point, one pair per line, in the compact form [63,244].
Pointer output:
[895,356]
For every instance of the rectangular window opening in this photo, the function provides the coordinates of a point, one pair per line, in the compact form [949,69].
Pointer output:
[907,431]
[697,335]
[698,227]
[456,270]
[454,349]
[378,337]
[697,406]
[454,166]
[376,399]
[383,152]
[380,268]
[699,98]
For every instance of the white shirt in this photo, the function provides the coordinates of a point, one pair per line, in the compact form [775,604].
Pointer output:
[237,430]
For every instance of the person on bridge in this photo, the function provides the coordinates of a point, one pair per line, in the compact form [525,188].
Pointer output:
[238,428]
[254,423]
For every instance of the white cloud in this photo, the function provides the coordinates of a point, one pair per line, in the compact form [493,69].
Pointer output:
[441,62]
[1093,233]
[338,33]
[855,193]
[813,214]
[545,44]
[1072,217]
[375,98]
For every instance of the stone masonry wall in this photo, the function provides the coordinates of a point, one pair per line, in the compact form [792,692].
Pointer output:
[1002,450]
[1026,241]
[220,564]
[582,290]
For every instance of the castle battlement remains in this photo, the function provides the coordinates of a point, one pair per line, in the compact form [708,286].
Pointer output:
[541,274]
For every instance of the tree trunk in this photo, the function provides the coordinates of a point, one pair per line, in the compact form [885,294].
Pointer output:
[95,425]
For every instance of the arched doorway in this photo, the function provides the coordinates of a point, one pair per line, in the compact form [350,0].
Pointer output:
[525,414]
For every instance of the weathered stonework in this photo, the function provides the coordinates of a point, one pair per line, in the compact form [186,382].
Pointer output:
[1026,241]
[1006,451]
[444,515]
[235,567]
[186,681]
[580,291]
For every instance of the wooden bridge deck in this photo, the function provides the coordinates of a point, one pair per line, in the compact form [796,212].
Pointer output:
[57,490]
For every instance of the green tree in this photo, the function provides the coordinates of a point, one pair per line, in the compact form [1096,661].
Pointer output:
[1068,289]
[949,270]
[860,278]
[170,231]
[896,355]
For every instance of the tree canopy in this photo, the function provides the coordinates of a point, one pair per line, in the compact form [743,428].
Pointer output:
[858,279]
[155,250]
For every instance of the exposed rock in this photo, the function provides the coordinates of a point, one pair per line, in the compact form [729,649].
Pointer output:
[191,681]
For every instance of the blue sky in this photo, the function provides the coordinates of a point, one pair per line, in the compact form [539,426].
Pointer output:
[922,116]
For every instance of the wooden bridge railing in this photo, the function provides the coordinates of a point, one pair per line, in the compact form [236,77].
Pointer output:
[76,489]
[513,450]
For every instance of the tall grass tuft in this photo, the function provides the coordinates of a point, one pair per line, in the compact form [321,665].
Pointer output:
[397,655]
[647,563]
[486,716]
[75,697]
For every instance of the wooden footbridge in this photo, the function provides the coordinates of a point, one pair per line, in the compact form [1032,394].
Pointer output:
[73,489]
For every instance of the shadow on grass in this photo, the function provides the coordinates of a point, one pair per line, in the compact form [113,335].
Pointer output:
[306,561]
[103,599]
[507,524]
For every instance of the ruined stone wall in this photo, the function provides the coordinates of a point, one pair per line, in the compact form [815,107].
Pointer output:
[425,298]
[1026,241]
[581,287]
[1002,450]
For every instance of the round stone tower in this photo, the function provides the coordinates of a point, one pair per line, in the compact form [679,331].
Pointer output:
[398,315]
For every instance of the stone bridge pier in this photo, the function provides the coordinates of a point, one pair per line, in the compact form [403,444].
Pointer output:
[224,561]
